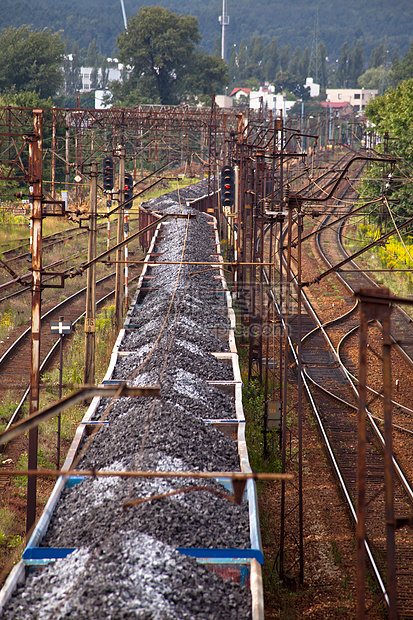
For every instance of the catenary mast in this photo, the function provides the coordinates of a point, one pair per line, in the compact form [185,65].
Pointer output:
[224,21]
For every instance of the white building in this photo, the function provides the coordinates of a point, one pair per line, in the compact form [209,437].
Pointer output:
[314,88]
[357,97]
[270,100]
[86,74]
[222,101]
[102,99]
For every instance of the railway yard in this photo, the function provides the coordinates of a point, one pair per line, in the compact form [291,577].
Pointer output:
[177,497]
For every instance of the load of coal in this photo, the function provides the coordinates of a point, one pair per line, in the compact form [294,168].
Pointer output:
[126,564]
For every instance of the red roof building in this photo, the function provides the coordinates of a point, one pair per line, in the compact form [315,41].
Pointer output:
[240,92]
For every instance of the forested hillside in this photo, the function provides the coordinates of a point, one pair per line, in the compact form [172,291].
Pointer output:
[293,21]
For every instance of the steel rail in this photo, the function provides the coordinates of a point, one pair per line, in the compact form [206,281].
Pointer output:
[355,379]
[406,485]
[45,316]
[329,447]
[53,349]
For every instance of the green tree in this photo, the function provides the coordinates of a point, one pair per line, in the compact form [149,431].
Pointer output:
[393,113]
[208,75]
[157,48]
[242,60]
[92,55]
[375,78]
[322,72]
[71,67]
[305,65]
[256,50]
[285,57]
[217,48]
[233,65]
[402,69]
[31,61]
[377,57]
[342,73]
[356,64]
[271,60]
[255,58]
[295,63]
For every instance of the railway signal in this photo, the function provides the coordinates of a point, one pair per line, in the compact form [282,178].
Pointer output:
[128,189]
[227,186]
[107,173]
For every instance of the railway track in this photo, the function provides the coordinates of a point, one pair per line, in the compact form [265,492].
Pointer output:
[14,261]
[330,370]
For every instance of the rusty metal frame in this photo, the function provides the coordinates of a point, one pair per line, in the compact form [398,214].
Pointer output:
[85,392]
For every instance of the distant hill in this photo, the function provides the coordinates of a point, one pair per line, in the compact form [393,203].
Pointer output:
[293,21]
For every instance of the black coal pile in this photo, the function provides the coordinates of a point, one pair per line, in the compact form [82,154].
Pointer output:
[126,564]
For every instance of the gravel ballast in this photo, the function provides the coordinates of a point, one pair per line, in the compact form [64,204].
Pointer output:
[125,564]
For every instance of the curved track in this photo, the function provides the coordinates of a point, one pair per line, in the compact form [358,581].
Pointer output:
[335,392]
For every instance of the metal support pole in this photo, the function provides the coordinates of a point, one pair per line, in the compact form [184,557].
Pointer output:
[126,233]
[285,386]
[59,416]
[120,253]
[36,170]
[374,306]
[361,466]
[90,318]
[388,466]
[300,402]
[67,156]
[54,155]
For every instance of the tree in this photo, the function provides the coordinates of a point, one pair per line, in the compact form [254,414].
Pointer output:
[92,55]
[295,63]
[377,57]
[242,60]
[31,61]
[393,113]
[322,74]
[256,52]
[305,64]
[271,60]
[208,75]
[157,49]
[375,78]
[402,69]
[356,64]
[285,57]
[232,64]
[342,73]
[71,65]
[217,48]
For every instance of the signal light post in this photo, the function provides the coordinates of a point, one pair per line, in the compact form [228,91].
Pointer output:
[227,188]
[107,173]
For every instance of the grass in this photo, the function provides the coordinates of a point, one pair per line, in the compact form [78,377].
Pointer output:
[7,525]
[392,255]
[72,375]
[15,228]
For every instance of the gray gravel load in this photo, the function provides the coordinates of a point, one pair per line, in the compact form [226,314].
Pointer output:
[130,576]
[126,564]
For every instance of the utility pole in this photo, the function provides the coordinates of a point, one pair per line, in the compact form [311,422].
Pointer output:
[224,21]
[285,379]
[67,154]
[90,319]
[35,172]
[120,253]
